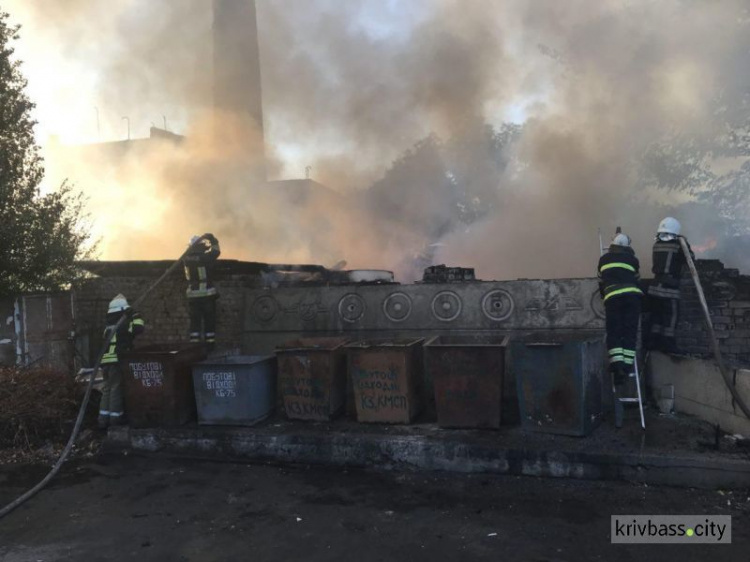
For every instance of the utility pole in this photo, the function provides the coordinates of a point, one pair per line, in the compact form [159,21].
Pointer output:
[128,120]
[98,129]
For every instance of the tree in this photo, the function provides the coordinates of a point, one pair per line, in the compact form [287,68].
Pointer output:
[41,236]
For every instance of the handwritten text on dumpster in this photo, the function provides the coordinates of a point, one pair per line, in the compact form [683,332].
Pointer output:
[379,390]
[150,373]
[222,383]
[306,397]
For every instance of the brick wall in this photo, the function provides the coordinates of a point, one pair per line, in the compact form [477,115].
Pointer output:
[164,310]
[728,297]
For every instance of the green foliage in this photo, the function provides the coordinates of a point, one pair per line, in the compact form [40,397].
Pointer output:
[42,235]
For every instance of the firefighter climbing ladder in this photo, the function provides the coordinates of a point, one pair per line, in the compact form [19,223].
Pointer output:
[626,399]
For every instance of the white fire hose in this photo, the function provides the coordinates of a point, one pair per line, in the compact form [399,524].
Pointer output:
[82,411]
[714,341]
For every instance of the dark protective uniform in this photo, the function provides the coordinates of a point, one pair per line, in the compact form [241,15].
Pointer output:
[111,407]
[664,295]
[618,286]
[201,292]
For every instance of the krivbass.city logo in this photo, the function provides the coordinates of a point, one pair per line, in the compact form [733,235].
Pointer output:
[675,529]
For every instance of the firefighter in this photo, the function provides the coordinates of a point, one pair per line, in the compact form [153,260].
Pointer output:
[111,408]
[664,294]
[201,293]
[618,286]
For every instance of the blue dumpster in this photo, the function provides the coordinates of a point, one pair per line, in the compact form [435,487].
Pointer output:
[236,390]
[560,382]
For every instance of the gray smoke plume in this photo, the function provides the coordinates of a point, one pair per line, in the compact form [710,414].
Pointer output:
[627,109]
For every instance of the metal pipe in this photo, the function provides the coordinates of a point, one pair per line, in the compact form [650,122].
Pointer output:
[710,325]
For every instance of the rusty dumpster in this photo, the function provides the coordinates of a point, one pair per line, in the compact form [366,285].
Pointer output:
[387,379]
[158,384]
[312,377]
[560,382]
[467,374]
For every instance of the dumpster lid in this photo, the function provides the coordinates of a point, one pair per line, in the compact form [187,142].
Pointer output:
[384,343]
[166,348]
[236,360]
[547,339]
[476,340]
[312,344]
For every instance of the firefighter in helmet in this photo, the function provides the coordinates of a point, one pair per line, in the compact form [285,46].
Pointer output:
[201,292]
[664,294]
[618,286]
[111,407]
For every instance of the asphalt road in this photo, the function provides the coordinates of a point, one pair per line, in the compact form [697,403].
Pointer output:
[151,508]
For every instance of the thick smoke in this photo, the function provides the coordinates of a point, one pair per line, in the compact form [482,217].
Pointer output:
[352,85]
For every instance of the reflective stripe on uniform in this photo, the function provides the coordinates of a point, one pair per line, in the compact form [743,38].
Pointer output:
[111,355]
[202,278]
[616,351]
[195,293]
[634,290]
[617,264]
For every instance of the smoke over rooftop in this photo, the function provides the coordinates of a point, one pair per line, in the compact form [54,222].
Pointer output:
[621,113]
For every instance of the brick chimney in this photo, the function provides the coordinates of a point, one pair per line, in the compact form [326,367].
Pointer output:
[237,87]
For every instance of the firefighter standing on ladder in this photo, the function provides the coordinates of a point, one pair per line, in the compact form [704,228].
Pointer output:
[201,293]
[618,286]
[111,407]
[664,293]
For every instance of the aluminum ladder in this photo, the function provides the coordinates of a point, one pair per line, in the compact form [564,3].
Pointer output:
[630,399]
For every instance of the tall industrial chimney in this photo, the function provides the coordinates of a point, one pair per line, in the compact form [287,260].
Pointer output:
[237,87]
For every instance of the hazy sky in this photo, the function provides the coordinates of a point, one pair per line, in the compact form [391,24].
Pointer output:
[81,58]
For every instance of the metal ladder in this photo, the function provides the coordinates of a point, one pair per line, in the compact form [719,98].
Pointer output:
[631,399]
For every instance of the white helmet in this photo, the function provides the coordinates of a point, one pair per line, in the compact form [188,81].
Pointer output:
[194,239]
[621,240]
[669,226]
[118,304]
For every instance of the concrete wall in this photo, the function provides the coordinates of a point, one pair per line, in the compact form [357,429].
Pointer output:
[382,311]
[700,390]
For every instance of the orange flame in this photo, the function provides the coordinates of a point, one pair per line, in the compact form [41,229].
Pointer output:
[709,244]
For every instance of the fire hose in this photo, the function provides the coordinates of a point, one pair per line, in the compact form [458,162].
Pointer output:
[714,341]
[82,411]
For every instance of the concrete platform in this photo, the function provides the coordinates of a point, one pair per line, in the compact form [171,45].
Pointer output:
[675,451]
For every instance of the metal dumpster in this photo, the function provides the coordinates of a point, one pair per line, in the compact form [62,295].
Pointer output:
[312,377]
[387,379]
[560,381]
[158,384]
[238,390]
[467,374]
